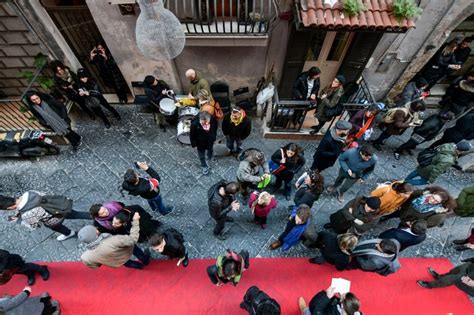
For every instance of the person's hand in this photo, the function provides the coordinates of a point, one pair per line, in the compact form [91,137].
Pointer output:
[190,96]
[330,292]
[235,205]
[360,180]
[467,281]
[283,161]
[27,289]
[180,261]
[136,216]
[350,210]
[350,173]
[358,222]
[143,165]
[323,96]
[312,97]
[219,284]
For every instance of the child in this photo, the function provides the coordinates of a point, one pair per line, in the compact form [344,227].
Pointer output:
[261,205]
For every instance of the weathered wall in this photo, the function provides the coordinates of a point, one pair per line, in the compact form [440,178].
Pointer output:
[118,32]
[399,57]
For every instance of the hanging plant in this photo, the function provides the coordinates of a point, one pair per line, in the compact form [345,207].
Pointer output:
[43,81]
[405,9]
[353,7]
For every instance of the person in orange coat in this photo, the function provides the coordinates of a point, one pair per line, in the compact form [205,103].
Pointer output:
[392,196]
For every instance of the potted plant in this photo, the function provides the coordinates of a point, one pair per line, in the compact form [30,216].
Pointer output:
[405,9]
[353,7]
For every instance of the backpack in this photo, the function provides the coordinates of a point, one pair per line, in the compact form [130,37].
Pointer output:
[58,206]
[389,116]
[257,302]
[425,157]
[390,268]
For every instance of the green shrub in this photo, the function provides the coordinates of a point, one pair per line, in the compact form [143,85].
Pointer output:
[405,9]
[43,81]
[353,7]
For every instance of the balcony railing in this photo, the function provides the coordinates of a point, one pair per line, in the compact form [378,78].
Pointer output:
[225,17]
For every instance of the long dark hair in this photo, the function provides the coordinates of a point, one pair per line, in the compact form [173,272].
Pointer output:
[317,182]
[295,148]
[446,200]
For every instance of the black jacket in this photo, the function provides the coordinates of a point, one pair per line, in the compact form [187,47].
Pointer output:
[320,304]
[200,138]
[342,219]
[70,88]
[10,261]
[300,87]
[55,105]
[305,196]
[154,93]
[291,164]
[430,127]
[218,206]
[143,188]
[330,250]
[327,152]
[464,129]
[241,131]
[174,247]
[405,238]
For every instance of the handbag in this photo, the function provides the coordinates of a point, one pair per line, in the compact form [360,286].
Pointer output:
[218,112]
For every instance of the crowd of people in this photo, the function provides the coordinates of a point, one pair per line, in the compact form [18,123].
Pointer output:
[117,229]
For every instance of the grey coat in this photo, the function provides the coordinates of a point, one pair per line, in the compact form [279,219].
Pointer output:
[21,305]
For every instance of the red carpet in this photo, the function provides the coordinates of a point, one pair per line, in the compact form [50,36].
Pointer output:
[163,288]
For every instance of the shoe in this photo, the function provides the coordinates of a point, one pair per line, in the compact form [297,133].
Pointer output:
[31,279]
[44,273]
[275,245]
[410,152]
[340,196]
[327,226]
[461,248]
[186,260]
[301,304]
[205,170]
[396,156]
[377,146]
[460,242]
[288,197]
[134,264]
[423,284]
[229,219]
[263,226]
[318,260]
[162,127]
[433,273]
[63,237]
[118,118]
[107,126]
[313,132]
[330,189]
[168,210]
[221,237]
[147,254]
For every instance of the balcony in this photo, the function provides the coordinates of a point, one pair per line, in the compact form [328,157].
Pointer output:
[225,18]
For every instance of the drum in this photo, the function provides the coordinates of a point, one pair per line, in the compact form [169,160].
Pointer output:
[184,129]
[167,106]
[188,111]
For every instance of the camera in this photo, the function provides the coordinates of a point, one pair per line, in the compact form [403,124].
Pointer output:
[136,165]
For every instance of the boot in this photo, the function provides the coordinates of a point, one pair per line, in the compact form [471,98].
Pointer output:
[44,273]
[275,245]
[460,242]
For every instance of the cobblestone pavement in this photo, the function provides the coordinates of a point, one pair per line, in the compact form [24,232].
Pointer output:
[93,175]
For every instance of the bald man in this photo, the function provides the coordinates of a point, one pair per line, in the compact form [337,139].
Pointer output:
[197,83]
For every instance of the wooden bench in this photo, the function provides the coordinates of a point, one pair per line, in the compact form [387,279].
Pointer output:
[12,118]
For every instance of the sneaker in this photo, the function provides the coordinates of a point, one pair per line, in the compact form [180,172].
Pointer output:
[330,189]
[275,245]
[396,156]
[205,170]
[63,237]
[340,197]
[221,237]
[168,210]
[44,273]
[423,284]
[186,261]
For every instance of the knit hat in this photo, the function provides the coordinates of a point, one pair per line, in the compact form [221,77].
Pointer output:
[6,202]
[343,125]
[341,79]
[463,146]
[87,234]
[373,202]
[82,73]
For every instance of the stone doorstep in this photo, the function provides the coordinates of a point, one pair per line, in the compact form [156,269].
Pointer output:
[303,134]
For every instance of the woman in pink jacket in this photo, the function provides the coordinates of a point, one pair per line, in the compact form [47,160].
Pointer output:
[261,204]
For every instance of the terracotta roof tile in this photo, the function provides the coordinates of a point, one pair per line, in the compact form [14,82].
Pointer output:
[378,16]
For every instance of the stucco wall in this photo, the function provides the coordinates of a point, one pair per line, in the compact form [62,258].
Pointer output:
[399,57]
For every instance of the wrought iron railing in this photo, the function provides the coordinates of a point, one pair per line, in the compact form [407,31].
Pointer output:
[225,17]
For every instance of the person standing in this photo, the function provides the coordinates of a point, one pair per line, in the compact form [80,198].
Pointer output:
[328,102]
[229,268]
[147,188]
[355,166]
[170,243]
[461,276]
[122,222]
[155,91]
[11,264]
[103,215]
[335,249]
[203,135]
[331,146]
[221,200]
[392,196]
[236,127]
[363,122]
[376,255]
[53,114]
[252,170]
[328,303]
[309,187]
[306,87]
[113,250]
[287,161]
[261,204]
[407,234]
[34,209]
[197,83]
[209,105]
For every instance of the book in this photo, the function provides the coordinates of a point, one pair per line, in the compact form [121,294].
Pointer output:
[341,285]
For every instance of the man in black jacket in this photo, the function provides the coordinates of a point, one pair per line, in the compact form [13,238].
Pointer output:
[221,200]
[202,135]
[236,127]
[155,90]
[306,87]
[147,188]
[331,146]
[170,243]
[408,234]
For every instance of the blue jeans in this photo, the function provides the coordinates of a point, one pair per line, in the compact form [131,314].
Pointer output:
[416,182]
[157,204]
[137,252]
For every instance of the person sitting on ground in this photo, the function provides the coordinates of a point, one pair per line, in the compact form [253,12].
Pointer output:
[306,87]
[229,268]
[465,244]
[299,220]
[236,127]
[465,202]
[103,215]
[461,276]
[327,101]
[113,250]
[197,83]
[202,136]
[355,166]
[122,222]
[335,249]
[155,91]
[428,130]
[327,302]
[34,209]
[287,161]
[363,122]
[407,234]
[252,170]
[376,255]
[147,188]
[331,146]
[309,187]
[221,200]
[358,216]
[261,204]
[170,243]
[446,156]
[397,120]
[22,303]
[11,264]
[392,196]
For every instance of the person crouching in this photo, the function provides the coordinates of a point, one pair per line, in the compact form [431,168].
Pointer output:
[170,243]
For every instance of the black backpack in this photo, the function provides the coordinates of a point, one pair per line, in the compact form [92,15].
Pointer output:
[58,206]
[425,157]
[257,302]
